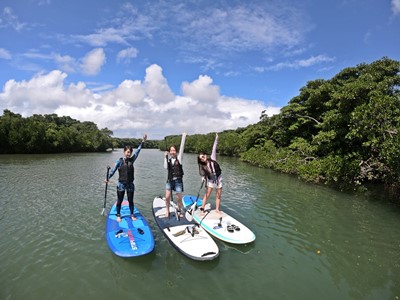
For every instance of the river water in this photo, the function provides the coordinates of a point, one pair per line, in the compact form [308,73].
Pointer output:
[312,242]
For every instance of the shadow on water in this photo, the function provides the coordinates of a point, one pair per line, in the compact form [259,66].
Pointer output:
[134,266]
[243,249]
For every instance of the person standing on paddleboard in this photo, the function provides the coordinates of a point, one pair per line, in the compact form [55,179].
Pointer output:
[210,170]
[175,175]
[126,169]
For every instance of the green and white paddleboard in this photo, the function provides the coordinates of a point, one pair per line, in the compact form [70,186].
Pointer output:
[220,225]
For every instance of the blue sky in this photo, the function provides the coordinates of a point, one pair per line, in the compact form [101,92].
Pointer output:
[168,66]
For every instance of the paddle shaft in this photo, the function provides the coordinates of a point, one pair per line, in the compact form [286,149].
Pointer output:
[105,192]
[189,212]
[208,211]
[198,194]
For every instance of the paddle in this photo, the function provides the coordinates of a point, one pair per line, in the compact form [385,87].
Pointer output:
[208,211]
[105,192]
[189,212]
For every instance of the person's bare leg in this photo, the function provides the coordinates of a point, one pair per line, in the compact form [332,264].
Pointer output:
[167,202]
[205,198]
[180,204]
[218,200]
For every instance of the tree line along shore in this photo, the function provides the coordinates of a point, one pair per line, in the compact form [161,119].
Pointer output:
[343,132]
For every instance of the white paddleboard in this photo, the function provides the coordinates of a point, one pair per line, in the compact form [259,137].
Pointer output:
[220,225]
[186,237]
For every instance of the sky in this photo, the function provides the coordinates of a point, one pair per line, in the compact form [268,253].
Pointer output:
[166,67]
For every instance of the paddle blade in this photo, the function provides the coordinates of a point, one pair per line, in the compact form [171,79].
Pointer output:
[188,216]
[193,207]
[190,211]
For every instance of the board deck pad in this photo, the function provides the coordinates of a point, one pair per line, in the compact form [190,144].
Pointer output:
[220,225]
[128,238]
[186,237]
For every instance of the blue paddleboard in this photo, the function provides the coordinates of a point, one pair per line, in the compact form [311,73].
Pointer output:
[128,238]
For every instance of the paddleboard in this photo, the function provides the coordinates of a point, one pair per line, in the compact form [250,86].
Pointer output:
[128,238]
[187,238]
[220,225]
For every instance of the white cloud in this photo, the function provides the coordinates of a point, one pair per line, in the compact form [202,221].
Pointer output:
[8,19]
[102,37]
[41,93]
[201,89]
[196,31]
[129,91]
[313,61]
[156,85]
[246,27]
[135,107]
[4,54]
[43,2]
[126,55]
[239,109]
[129,25]
[396,7]
[65,62]
[297,64]
[93,61]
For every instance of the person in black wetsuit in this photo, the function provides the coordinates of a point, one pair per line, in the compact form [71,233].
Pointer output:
[125,167]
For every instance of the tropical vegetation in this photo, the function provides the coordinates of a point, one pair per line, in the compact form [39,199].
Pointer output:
[54,134]
[343,131]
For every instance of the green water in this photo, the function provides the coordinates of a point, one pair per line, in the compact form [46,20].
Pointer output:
[312,242]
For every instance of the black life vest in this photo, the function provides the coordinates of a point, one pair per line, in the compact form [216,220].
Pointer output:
[215,171]
[175,170]
[126,170]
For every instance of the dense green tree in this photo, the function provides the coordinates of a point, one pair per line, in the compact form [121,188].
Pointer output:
[344,130]
[50,134]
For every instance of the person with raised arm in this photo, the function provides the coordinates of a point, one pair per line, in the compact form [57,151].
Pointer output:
[125,167]
[173,164]
[210,171]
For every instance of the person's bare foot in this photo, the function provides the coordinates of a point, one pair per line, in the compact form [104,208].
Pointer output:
[218,211]
[118,219]
[133,218]
[179,212]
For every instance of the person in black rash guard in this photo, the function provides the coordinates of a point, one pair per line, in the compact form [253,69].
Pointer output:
[125,167]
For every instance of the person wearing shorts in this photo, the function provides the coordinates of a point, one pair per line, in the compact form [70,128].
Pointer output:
[174,183]
[210,171]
